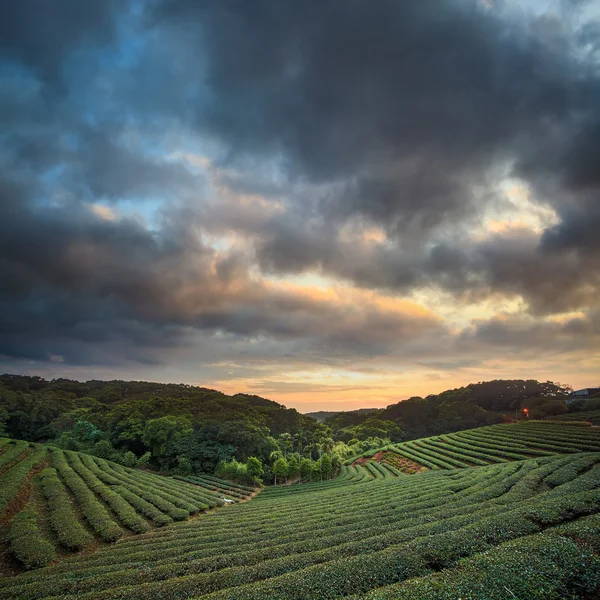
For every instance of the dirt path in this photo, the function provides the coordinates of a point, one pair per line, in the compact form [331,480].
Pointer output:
[252,495]
[408,467]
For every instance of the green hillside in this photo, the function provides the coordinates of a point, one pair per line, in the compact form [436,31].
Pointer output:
[524,524]
[63,501]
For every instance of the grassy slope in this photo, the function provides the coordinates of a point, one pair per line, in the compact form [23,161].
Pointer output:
[511,529]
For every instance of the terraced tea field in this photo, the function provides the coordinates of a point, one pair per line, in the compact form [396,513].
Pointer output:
[489,445]
[525,528]
[65,501]
[592,416]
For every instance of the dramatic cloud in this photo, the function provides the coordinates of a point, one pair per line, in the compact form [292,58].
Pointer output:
[252,192]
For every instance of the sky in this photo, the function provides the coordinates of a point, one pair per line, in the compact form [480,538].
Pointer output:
[332,204]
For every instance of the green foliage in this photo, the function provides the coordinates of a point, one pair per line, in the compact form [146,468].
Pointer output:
[325,466]
[130,459]
[204,426]
[144,460]
[293,468]
[103,449]
[254,468]
[184,466]
[190,430]
[85,431]
[3,419]
[280,469]
[158,433]
[306,469]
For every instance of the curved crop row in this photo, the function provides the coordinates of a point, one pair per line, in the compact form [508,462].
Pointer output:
[12,452]
[541,566]
[93,510]
[445,449]
[435,455]
[176,488]
[324,544]
[27,543]
[14,478]
[69,531]
[124,511]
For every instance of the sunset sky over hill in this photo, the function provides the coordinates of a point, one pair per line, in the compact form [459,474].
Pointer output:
[330,204]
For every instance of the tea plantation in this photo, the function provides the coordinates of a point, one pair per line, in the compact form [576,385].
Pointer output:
[493,444]
[66,501]
[502,512]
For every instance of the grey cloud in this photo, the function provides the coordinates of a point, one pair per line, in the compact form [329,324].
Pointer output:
[41,35]
[409,105]
[411,114]
[403,115]
[519,333]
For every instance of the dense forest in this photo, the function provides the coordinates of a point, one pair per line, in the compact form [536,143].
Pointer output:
[187,429]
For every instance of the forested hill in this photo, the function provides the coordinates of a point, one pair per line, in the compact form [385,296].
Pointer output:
[323,415]
[477,404]
[153,399]
[471,406]
[103,417]
[187,429]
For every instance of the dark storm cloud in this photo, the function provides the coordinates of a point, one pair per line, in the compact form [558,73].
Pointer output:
[412,113]
[409,105]
[396,114]
[92,290]
[524,335]
[41,35]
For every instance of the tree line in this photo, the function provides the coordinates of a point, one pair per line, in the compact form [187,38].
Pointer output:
[187,429]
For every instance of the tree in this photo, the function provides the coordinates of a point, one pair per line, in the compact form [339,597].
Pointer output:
[286,443]
[130,459]
[326,466]
[326,444]
[293,468]
[254,468]
[144,460]
[306,468]
[129,430]
[85,431]
[276,454]
[184,466]
[158,433]
[104,449]
[280,469]
[3,419]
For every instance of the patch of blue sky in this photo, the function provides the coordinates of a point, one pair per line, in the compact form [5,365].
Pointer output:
[18,80]
[147,209]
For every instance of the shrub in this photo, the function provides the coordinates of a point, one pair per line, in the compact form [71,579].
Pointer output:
[130,459]
[144,460]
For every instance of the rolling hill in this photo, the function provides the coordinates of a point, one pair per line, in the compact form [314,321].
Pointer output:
[516,516]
